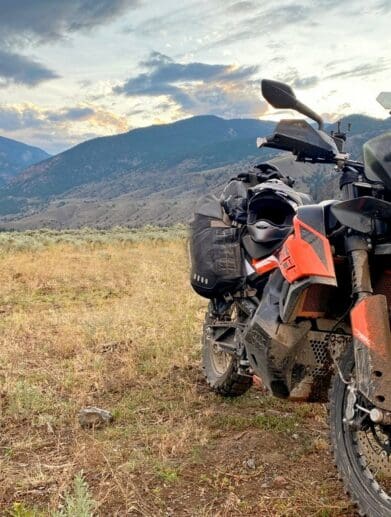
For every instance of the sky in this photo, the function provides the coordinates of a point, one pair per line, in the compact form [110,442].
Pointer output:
[76,69]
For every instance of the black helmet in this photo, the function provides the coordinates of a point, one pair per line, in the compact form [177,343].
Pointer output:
[271,209]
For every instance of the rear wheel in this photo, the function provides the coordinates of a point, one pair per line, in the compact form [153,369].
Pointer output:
[222,369]
[362,449]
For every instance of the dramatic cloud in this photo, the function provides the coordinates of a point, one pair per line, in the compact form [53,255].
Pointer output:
[198,87]
[30,116]
[44,20]
[55,130]
[18,69]
[23,23]
[329,51]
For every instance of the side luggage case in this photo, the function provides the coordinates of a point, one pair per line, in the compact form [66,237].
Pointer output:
[217,266]
[217,269]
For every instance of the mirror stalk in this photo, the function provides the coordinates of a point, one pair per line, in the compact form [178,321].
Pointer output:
[305,110]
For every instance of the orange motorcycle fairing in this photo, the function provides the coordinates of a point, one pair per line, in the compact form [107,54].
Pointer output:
[266,265]
[306,253]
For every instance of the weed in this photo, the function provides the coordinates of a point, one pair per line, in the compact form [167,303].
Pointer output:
[20,510]
[79,503]
[168,475]
[26,399]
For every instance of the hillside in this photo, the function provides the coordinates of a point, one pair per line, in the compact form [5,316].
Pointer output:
[153,175]
[132,170]
[15,157]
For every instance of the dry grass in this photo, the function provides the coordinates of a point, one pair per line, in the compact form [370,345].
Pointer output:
[112,323]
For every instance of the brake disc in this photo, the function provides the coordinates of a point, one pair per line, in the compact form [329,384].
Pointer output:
[373,440]
[374,445]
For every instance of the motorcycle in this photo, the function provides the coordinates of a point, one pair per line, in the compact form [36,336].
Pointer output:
[303,302]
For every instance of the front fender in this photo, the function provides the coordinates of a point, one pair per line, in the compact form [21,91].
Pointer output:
[372,349]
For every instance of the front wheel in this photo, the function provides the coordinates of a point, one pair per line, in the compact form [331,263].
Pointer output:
[221,369]
[361,448]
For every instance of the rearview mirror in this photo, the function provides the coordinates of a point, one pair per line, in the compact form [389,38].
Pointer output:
[384,99]
[279,95]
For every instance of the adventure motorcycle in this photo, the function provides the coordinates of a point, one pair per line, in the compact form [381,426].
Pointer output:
[300,293]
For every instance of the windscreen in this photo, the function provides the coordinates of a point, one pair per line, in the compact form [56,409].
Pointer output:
[377,159]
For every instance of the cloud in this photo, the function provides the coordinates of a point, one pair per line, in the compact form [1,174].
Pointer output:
[18,69]
[240,7]
[172,20]
[31,116]
[384,6]
[292,77]
[45,20]
[56,129]
[70,114]
[24,23]
[380,65]
[198,87]
[226,22]
[266,20]
[15,118]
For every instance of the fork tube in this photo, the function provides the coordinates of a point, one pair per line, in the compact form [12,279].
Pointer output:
[357,249]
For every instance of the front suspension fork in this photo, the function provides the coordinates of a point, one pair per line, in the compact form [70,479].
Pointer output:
[370,329]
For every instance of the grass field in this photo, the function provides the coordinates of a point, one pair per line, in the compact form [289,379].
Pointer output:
[108,319]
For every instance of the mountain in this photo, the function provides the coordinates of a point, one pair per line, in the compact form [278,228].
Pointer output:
[154,174]
[143,163]
[203,140]
[15,157]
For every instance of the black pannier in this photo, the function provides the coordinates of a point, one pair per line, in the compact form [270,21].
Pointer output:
[216,257]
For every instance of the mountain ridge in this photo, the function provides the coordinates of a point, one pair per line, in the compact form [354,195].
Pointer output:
[150,175]
[15,156]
